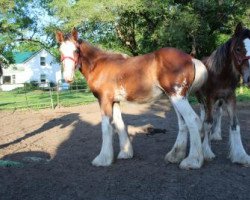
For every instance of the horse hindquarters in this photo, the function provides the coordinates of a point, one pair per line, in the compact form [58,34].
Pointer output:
[177,78]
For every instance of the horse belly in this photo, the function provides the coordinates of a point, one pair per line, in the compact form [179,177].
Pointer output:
[139,95]
[201,75]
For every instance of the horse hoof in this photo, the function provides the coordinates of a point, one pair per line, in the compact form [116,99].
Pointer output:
[243,160]
[102,160]
[125,155]
[216,136]
[192,163]
[175,156]
[209,157]
[208,154]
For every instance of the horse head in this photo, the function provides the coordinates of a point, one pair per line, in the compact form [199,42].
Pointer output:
[69,49]
[240,52]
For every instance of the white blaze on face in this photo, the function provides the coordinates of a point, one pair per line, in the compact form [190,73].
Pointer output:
[67,49]
[247,47]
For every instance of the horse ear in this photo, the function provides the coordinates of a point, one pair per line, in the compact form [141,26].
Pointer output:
[238,29]
[74,34]
[59,36]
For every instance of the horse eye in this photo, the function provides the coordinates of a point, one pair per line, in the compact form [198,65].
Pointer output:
[238,49]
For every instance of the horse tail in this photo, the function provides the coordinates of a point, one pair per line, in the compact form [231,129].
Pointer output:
[201,75]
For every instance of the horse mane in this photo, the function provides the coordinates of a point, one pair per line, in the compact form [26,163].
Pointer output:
[217,60]
[93,51]
[92,54]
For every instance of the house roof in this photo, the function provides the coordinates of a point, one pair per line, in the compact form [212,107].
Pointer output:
[21,57]
[3,59]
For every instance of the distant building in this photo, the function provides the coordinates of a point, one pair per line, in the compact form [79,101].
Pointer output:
[40,67]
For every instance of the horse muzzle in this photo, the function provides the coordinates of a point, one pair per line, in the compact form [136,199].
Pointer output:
[68,76]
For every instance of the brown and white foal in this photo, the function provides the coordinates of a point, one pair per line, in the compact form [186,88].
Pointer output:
[225,66]
[113,78]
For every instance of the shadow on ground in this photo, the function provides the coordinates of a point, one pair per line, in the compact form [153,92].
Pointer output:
[70,175]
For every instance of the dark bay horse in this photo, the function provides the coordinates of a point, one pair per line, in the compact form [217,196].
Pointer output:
[225,66]
[113,78]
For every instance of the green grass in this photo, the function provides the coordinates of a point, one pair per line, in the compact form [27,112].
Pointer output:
[242,95]
[38,99]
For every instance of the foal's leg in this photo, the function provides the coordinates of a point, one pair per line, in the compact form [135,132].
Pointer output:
[126,150]
[178,152]
[206,145]
[105,157]
[202,118]
[237,152]
[216,128]
[195,157]
[202,112]
[201,101]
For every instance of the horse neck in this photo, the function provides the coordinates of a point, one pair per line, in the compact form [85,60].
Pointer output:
[89,55]
[219,61]
[221,64]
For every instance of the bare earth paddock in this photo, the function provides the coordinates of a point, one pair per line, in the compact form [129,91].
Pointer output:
[56,147]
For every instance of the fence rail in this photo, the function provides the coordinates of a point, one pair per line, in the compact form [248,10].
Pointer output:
[49,97]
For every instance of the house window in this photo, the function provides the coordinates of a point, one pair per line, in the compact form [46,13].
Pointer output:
[43,78]
[6,80]
[42,61]
[13,79]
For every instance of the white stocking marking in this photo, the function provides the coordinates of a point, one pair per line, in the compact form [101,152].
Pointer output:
[206,146]
[195,157]
[202,113]
[178,152]
[106,155]
[216,129]
[126,150]
[237,152]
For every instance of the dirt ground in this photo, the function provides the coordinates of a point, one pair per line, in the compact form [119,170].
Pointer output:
[55,148]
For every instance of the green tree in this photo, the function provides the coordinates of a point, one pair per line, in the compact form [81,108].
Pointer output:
[133,27]
[141,26]
[20,27]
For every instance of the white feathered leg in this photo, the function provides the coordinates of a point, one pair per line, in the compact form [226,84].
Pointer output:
[178,152]
[237,152]
[126,150]
[216,128]
[206,145]
[202,118]
[105,158]
[195,158]
[202,113]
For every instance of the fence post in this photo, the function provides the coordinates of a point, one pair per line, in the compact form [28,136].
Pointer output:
[57,95]
[51,98]
[25,92]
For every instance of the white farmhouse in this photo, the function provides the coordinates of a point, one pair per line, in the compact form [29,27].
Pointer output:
[40,66]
